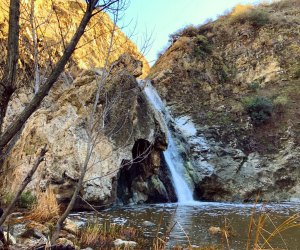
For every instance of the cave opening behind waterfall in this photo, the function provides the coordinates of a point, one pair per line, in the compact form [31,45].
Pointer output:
[144,178]
[133,172]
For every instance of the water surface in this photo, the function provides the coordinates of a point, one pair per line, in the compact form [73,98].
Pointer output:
[196,218]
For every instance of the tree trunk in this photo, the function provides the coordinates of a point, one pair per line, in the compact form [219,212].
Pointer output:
[7,84]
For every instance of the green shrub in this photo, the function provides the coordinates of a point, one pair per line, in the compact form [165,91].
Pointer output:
[259,108]
[26,200]
[210,115]
[202,47]
[6,198]
[254,86]
[258,17]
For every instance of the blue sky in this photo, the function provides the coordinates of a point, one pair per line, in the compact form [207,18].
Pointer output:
[163,17]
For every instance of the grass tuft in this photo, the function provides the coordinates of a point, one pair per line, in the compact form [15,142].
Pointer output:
[46,207]
[102,235]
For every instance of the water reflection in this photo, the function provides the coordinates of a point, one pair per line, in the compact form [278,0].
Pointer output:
[194,220]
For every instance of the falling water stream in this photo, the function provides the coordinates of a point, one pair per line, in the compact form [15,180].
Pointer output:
[172,156]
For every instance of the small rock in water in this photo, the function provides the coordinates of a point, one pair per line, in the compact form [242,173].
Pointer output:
[32,232]
[119,242]
[33,227]
[148,224]
[65,244]
[214,230]
[12,239]
[70,226]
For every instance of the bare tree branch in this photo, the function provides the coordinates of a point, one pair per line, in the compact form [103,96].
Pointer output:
[59,25]
[35,48]
[24,184]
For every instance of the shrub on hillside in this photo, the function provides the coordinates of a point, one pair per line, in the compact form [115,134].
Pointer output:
[256,17]
[254,86]
[280,104]
[203,47]
[188,31]
[26,199]
[259,109]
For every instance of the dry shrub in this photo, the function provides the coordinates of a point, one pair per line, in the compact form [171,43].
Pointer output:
[248,14]
[259,237]
[183,43]
[129,232]
[188,31]
[102,235]
[89,236]
[280,5]
[240,9]
[46,208]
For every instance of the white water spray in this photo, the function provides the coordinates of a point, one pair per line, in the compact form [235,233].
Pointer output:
[172,156]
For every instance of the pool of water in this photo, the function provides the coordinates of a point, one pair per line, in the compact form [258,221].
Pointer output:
[190,223]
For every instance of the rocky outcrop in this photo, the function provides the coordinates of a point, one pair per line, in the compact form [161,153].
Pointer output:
[122,118]
[233,87]
[146,177]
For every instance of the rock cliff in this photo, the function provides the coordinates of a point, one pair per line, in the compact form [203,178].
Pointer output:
[233,86]
[128,137]
[123,117]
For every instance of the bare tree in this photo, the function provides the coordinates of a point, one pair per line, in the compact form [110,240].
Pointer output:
[8,83]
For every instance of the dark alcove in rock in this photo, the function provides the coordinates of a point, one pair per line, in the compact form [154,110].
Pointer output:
[145,178]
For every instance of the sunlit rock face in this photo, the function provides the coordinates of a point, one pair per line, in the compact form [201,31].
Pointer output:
[122,116]
[209,76]
[93,46]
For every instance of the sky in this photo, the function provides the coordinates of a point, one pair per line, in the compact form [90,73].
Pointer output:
[160,18]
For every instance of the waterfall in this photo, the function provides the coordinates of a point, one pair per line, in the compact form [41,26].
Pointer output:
[172,156]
